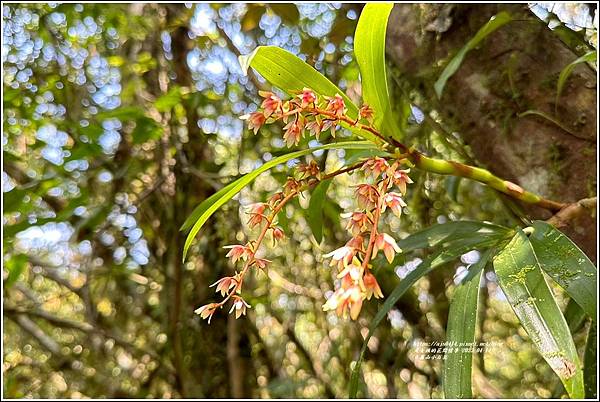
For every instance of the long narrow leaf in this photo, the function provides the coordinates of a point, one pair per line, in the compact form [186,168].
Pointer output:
[290,74]
[423,269]
[443,232]
[462,319]
[199,210]
[493,24]
[525,287]
[210,205]
[575,316]
[590,363]
[566,72]
[369,49]
[549,118]
[315,209]
[560,258]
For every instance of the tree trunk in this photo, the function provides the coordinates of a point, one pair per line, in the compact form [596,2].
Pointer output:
[515,69]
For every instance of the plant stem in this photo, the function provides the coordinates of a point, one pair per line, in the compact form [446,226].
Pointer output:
[373,236]
[445,167]
[271,218]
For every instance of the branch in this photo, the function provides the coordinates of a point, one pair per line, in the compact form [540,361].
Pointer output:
[445,167]
[58,321]
[49,272]
[23,180]
[571,211]
[21,317]
[36,332]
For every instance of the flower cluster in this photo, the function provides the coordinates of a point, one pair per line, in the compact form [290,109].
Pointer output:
[230,286]
[262,215]
[306,112]
[357,283]
[309,112]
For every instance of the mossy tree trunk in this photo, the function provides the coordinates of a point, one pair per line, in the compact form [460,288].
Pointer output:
[515,69]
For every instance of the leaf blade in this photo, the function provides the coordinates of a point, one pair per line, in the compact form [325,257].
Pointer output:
[15,267]
[590,363]
[315,209]
[525,287]
[462,318]
[574,315]
[566,264]
[215,202]
[440,233]
[566,72]
[290,74]
[493,24]
[369,50]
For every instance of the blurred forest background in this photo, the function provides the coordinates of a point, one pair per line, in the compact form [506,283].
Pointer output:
[119,119]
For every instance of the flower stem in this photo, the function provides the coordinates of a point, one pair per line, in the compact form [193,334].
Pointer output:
[270,220]
[373,235]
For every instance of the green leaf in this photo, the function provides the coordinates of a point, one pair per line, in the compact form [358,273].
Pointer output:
[574,315]
[564,262]
[8,94]
[462,319]
[441,233]
[168,100]
[494,23]
[290,74]
[549,118]
[332,211]
[525,287]
[201,214]
[426,266]
[574,40]
[369,50]
[145,129]
[590,363]
[13,199]
[353,157]
[315,209]
[15,267]
[566,72]
[452,184]
[122,113]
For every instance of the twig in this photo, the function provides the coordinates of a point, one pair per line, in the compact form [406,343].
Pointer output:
[568,213]
[36,332]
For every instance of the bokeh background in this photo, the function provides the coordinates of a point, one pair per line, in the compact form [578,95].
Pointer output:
[118,120]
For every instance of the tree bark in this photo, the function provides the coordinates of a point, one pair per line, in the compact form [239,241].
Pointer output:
[513,70]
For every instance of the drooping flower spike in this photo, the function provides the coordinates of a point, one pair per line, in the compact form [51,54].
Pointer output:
[352,261]
[308,112]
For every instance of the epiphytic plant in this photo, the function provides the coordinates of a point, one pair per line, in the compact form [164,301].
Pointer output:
[518,255]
